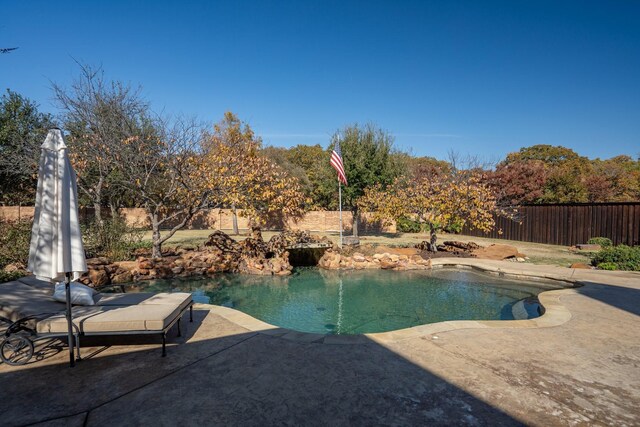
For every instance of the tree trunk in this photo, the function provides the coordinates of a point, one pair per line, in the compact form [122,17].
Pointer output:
[97,213]
[114,210]
[234,217]
[433,240]
[97,201]
[356,217]
[157,243]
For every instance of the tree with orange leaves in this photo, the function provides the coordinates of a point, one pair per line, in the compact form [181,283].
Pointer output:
[239,176]
[437,202]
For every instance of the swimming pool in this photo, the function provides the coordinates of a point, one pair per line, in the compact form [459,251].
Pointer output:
[365,301]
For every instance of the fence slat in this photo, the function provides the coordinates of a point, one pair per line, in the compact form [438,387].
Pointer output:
[571,224]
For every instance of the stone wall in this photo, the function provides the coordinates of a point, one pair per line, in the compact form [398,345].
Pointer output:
[222,219]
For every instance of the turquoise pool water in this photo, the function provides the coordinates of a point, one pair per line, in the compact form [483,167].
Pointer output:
[363,301]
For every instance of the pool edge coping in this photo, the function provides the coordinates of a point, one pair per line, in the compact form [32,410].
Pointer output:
[555,313]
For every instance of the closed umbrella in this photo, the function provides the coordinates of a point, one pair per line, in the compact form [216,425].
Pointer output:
[56,251]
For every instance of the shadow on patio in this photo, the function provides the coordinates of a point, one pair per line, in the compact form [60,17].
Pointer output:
[238,378]
[621,297]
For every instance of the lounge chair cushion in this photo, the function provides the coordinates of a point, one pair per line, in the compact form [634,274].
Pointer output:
[18,300]
[113,313]
[114,319]
[182,299]
[37,284]
[79,293]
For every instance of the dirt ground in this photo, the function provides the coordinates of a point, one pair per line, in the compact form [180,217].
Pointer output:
[537,253]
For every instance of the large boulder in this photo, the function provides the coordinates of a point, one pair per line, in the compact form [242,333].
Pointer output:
[123,277]
[330,260]
[99,277]
[288,238]
[222,241]
[456,246]
[581,265]
[496,252]
[94,262]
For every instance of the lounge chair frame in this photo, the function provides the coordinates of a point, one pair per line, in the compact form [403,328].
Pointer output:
[22,334]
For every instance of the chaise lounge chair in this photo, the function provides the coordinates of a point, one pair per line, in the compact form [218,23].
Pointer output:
[27,305]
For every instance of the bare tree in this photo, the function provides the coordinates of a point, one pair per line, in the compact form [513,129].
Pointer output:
[99,115]
[162,168]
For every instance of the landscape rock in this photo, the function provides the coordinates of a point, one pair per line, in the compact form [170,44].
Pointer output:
[98,261]
[388,264]
[358,257]
[124,277]
[13,267]
[351,241]
[223,242]
[456,246]
[581,265]
[144,263]
[99,277]
[496,252]
[588,247]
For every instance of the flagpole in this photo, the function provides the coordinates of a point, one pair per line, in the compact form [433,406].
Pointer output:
[340,205]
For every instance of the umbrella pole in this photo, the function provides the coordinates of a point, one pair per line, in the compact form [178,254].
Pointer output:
[67,288]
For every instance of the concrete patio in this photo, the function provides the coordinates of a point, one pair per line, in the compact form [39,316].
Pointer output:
[579,364]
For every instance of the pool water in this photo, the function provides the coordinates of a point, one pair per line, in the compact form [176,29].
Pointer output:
[364,301]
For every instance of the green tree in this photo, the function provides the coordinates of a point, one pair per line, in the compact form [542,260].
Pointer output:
[549,154]
[282,157]
[22,131]
[427,167]
[313,160]
[369,160]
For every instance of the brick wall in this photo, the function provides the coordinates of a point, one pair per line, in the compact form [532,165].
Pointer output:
[222,219]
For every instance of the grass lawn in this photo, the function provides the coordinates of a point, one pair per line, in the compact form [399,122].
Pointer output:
[537,253]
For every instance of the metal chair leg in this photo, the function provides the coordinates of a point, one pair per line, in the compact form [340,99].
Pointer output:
[191,313]
[164,344]
[179,331]
[78,358]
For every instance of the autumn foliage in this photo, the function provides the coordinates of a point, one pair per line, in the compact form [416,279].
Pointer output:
[438,202]
[238,175]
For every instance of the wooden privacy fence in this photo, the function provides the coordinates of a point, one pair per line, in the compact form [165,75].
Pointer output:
[570,224]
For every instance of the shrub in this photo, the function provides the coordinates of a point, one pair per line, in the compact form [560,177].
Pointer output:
[408,225]
[15,238]
[621,257]
[605,242]
[113,239]
[455,228]
[6,276]
[608,266]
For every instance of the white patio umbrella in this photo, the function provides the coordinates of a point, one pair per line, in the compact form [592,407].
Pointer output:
[56,251]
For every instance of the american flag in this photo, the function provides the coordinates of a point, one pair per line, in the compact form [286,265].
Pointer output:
[336,162]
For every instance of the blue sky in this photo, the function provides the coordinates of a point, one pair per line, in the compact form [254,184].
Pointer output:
[480,78]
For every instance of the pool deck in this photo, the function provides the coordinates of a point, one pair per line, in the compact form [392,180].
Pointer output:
[578,364]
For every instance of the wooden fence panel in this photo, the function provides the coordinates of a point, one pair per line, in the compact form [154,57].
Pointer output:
[570,224]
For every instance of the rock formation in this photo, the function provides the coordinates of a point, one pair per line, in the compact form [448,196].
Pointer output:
[219,254]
